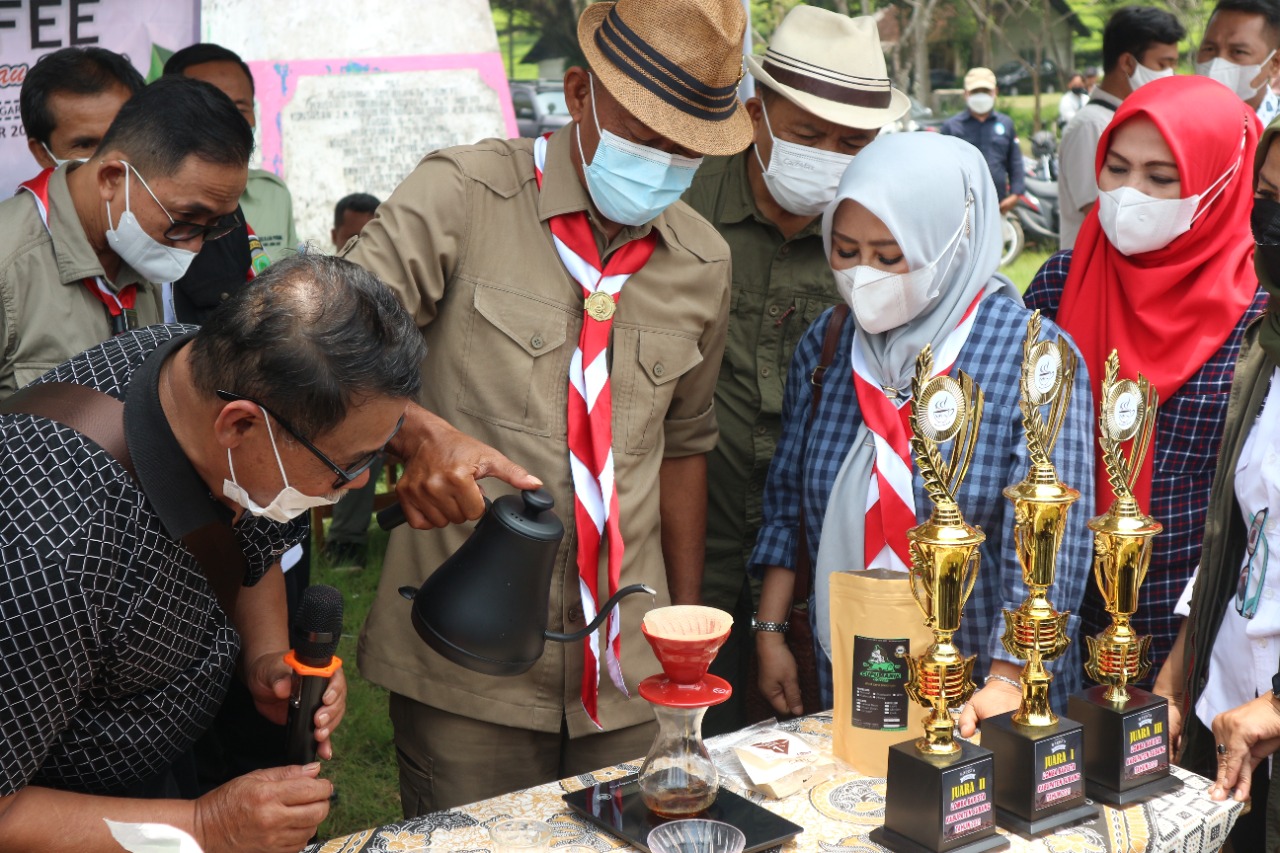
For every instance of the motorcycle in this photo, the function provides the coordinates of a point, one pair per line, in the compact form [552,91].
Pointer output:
[1035,216]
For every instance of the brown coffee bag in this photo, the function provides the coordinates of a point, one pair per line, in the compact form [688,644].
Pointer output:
[875,626]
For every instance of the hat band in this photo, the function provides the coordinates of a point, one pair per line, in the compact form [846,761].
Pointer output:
[829,91]
[634,57]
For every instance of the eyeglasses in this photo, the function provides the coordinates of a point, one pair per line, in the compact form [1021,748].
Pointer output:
[345,475]
[1254,573]
[179,231]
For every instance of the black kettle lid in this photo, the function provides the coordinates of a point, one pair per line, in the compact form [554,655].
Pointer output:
[529,514]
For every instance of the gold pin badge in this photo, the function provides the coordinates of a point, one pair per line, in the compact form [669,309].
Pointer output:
[599,306]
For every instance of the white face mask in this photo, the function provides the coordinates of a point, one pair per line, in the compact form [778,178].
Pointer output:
[57,162]
[151,259]
[981,103]
[885,300]
[1142,75]
[803,180]
[1135,222]
[1237,78]
[288,504]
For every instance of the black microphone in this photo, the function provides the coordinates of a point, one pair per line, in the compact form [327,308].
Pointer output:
[317,628]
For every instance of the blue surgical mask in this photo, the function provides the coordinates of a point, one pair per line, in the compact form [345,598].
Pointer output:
[630,183]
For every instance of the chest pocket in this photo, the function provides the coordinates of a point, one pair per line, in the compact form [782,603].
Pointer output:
[1180,453]
[517,374]
[649,362]
[25,372]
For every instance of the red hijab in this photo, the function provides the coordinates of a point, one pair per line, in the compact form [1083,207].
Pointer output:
[1168,311]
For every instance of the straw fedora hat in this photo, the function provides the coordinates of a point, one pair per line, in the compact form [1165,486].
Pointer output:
[832,66]
[674,65]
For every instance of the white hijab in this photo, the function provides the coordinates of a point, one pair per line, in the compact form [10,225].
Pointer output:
[923,186]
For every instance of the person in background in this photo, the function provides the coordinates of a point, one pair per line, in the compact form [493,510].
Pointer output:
[350,214]
[1139,44]
[1239,50]
[266,201]
[1090,76]
[346,540]
[1163,273]
[464,242]
[70,97]
[1222,678]
[84,246]
[1076,96]
[822,93]
[992,133]
[914,243]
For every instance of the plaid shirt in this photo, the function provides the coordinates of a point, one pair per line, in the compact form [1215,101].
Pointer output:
[810,455]
[1188,431]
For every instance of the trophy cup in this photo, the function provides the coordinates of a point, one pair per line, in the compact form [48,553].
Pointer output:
[1039,755]
[939,792]
[1126,728]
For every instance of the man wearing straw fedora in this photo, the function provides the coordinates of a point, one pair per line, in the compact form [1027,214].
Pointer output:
[822,94]
[575,315]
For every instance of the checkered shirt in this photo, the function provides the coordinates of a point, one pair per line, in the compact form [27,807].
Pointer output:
[1188,431]
[810,455]
[114,654]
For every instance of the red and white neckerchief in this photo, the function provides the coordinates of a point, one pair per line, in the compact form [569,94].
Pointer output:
[120,305]
[891,505]
[595,505]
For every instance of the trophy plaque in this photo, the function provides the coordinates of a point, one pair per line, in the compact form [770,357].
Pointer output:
[1126,728]
[939,791]
[1039,756]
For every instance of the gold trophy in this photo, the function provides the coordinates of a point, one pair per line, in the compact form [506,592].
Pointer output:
[1039,756]
[939,791]
[1126,728]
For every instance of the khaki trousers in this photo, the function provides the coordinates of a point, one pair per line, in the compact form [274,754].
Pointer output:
[447,760]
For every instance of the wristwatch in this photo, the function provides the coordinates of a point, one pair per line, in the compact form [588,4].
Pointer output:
[774,627]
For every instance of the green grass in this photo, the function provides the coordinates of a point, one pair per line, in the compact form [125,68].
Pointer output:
[1025,266]
[364,765]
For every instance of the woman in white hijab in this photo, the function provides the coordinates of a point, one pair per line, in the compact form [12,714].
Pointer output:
[913,238]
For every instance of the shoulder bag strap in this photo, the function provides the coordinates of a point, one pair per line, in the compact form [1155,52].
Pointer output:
[804,563]
[99,417]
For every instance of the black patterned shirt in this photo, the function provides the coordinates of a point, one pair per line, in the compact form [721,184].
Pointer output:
[114,653]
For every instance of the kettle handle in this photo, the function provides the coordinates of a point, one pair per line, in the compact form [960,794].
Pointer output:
[393,516]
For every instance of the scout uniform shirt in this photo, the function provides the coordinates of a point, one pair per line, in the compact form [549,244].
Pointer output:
[465,243]
[780,286]
[47,314]
[268,208]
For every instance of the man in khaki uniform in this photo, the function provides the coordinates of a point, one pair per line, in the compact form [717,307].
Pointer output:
[822,94]
[266,202]
[466,242]
[83,247]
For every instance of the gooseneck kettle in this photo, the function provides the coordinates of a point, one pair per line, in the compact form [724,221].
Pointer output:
[485,608]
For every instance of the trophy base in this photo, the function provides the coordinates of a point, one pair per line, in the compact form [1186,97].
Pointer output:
[1126,745]
[890,840]
[1040,782]
[939,804]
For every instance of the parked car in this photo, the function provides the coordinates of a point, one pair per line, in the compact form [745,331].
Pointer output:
[919,117]
[1014,78]
[539,106]
[943,78]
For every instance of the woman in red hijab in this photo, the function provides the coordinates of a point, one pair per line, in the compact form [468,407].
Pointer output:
[1163,272]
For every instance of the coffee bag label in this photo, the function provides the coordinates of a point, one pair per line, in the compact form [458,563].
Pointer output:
[880,683]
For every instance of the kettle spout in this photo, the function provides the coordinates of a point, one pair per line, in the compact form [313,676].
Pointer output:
[602,615]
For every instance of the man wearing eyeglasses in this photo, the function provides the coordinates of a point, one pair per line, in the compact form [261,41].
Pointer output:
[120,631]
[85,247]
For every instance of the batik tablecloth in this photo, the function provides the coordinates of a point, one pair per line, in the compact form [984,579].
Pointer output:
[837,814]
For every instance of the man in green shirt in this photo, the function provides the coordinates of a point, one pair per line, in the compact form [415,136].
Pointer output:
[822,95]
